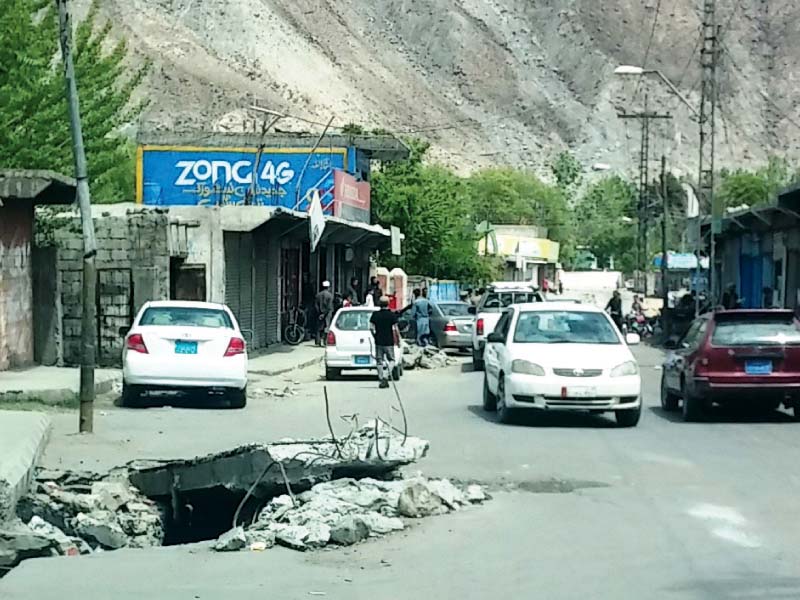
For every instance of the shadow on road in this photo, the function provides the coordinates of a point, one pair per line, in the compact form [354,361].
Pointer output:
[727,414]
[537,418]
[467,367]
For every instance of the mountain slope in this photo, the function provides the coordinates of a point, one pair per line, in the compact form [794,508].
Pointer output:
[486,81]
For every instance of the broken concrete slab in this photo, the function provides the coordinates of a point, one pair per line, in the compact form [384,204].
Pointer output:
[19,542]
[99,529]
[417,500]
[349,530]
[230,541]
[429,357]
[23,436]
[263,469]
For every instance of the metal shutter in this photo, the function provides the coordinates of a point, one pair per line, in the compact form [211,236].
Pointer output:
[273,290]
[246,281]
[260,291]
[232,262]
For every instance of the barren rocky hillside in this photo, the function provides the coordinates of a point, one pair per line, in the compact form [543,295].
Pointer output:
[486,81]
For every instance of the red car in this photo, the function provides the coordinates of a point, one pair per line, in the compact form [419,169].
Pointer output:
[737,356]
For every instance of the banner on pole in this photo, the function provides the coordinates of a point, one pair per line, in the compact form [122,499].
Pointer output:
[316,220]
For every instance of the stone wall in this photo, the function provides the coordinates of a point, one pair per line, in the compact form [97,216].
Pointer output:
[16,311]
[133,266]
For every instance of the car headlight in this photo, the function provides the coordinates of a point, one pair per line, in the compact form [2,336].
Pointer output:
[625,369]
[526,368]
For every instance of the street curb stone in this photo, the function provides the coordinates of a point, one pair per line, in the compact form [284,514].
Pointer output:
[23,436]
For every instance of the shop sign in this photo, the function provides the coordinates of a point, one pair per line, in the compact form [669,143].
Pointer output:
[186,175]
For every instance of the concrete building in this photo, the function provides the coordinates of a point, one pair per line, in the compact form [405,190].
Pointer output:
[529,255]
[759,252]
[20,192]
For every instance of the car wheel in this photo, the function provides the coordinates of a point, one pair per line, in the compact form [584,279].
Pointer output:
[669,401]
[237,398]
[692,407]
[477,360]
[504,413]
[131,395]
[629,417]
[332,374]
[489,399]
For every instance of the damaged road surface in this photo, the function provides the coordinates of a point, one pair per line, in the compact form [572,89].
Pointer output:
[299,493]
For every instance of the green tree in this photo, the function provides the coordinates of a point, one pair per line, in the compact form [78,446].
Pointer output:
[567,171]
[743,187]
[427,203]
[34,124]
[604,219]
[505,196]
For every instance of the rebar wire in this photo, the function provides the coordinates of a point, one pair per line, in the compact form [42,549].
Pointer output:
[328,419]
[288,487]
[377,440]
[403,412]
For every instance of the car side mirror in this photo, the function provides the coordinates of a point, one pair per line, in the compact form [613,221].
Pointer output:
[123,331]
[473,310]
[632,339]
[496,338]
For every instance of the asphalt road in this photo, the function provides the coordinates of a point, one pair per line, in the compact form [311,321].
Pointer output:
[581,509]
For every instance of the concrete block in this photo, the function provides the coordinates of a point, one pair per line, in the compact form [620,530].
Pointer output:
[23,436]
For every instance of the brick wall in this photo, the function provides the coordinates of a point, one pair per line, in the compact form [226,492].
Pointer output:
[16,292]
[132,267]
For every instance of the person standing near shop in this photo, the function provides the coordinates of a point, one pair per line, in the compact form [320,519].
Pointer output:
[421,313]
[323,304]
[355,292]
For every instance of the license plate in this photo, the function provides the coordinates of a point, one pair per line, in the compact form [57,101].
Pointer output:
[361,360]
[182,347]
[758,367]
[581,392]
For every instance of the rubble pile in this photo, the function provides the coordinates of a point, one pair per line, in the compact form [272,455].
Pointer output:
[76,514]
[347,511]
[429,357]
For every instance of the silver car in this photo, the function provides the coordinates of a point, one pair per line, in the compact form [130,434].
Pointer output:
[451,324]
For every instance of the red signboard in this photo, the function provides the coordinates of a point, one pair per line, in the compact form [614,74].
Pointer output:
[351,197]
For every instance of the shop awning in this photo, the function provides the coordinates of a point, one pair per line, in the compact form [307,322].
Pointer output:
[40,187]
[337,230]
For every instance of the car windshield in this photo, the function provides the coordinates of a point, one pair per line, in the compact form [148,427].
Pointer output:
[455,309]
[757,331]
[185,316]
[354,320]
[498,301]
[564,327]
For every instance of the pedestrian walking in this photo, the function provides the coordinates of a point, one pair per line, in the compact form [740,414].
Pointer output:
[382,324]
[614,308]
[323,304]
[421,313]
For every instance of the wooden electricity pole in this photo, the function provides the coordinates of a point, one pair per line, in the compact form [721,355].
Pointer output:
[88,327]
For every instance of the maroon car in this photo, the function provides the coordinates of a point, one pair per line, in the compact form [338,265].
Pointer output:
[748,357]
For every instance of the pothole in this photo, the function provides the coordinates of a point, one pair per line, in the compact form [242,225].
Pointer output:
[556,486]
[303,494]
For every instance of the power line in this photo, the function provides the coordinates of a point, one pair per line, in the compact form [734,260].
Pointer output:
[649,46]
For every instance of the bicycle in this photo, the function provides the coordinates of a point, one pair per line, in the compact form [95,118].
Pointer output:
[295,331]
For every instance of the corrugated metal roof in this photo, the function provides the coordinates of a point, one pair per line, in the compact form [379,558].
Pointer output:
[39,186]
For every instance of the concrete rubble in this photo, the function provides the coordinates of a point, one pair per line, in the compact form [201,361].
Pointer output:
[347,511]
[429,357]
[262,470]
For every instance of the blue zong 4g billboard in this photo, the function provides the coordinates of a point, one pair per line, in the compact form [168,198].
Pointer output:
[188,175]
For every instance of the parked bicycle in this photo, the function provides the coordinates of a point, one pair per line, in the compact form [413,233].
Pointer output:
[295,331]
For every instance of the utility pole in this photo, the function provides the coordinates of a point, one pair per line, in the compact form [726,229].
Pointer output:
[664,250]
[709,59]
[88,326]
[643,209]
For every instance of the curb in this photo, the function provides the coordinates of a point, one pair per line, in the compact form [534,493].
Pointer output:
[297,367]
[49,397]
[20,457]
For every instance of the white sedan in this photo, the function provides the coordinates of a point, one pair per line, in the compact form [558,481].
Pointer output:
[350,345]
[184,347]
[561,356]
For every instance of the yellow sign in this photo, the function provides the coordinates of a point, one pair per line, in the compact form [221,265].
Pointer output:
[526,247]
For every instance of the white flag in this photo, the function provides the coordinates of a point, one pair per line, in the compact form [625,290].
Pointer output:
[316,220]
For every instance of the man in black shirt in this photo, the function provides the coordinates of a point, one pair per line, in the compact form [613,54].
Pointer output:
[382,325]
[614,308]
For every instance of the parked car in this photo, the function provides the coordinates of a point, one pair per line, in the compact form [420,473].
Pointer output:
[561,356]
[735,356]
[451,325]
[350,345]
[176,346]
[495,300]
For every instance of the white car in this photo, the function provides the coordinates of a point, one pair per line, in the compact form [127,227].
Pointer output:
[350,345]
[498,297]
[185,347]
[561,356]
